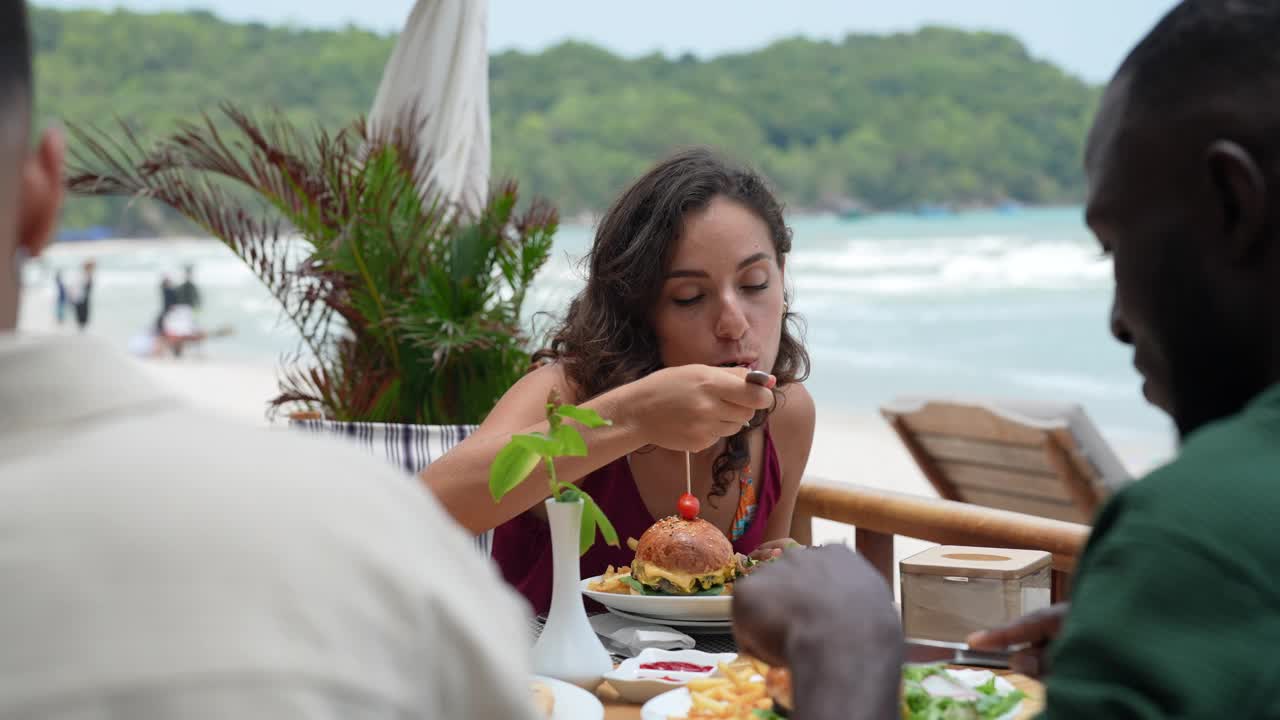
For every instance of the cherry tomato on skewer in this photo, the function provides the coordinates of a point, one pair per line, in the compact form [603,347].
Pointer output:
[688,506]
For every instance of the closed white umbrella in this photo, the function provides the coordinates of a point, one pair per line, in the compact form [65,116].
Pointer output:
[439,69]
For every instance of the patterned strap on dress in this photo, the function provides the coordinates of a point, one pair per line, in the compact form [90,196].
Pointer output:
[747,505]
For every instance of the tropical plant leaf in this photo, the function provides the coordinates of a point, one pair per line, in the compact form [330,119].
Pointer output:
[569,442]
[510,467]
[587,529]
[599,520]
[543,446]
[408,309]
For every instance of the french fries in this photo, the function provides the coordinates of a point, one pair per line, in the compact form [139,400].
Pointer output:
[734,696]
[611,581]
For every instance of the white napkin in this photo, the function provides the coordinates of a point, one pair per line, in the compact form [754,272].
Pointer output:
[629,637]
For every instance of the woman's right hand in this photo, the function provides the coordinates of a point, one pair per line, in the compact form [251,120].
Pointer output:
[691,407]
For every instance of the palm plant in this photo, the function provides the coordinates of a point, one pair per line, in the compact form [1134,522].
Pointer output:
[408,308]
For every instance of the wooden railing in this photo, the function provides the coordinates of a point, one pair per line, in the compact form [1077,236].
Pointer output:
[880,515]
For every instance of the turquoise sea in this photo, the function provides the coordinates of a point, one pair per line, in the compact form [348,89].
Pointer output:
[1002,304]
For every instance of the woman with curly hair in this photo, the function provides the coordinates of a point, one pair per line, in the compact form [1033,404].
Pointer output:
[684,296]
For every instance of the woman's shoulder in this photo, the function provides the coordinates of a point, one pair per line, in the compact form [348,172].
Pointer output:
[795,412]
[525,402]
[548,376]
[791,426]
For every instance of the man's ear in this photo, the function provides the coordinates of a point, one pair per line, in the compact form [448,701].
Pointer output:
[1241,196]
[41,192]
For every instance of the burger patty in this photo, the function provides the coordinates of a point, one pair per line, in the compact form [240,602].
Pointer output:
[667,586]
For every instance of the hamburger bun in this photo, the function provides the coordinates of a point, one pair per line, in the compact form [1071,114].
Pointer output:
[691,546]
[683,556]
[777,685]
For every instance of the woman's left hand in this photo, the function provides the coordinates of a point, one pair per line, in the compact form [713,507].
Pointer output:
[773,549]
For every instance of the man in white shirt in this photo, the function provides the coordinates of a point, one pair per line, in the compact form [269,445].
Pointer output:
[156,562]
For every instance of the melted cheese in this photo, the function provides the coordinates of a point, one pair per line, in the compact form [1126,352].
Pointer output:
[687,582]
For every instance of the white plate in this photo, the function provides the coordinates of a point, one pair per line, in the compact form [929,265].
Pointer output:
[676,703]
[718,625]
[572,702]
[664,607]
[637,686]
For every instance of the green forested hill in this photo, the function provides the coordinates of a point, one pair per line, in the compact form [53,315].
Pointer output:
[935,116]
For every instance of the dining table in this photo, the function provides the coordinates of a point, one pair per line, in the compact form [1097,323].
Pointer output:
[617,709]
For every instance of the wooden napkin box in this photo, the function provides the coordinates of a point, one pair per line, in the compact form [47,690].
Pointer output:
[950,591]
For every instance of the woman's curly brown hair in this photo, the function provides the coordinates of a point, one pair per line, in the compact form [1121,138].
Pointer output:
[606,340]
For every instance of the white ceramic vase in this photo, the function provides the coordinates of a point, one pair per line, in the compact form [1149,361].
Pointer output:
[568,648]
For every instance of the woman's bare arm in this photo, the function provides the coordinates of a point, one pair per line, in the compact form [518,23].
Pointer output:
[460,479]
[689,407]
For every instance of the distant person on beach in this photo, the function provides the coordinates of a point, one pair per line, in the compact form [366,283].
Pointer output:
[161,562]
[168,298]
[187,293]
[1174,610]
[168,294]
[82,296]
[60,304]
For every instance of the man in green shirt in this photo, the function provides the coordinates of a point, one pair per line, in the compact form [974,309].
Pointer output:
[1176,609]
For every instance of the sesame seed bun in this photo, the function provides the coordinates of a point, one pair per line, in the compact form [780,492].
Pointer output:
[691,546]
[695,551]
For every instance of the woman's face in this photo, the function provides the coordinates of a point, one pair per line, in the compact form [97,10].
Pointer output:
[722,298]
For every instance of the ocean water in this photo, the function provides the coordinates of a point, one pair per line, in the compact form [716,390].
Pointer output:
[990,304]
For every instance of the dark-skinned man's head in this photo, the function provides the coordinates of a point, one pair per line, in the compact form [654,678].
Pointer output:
[1184,192]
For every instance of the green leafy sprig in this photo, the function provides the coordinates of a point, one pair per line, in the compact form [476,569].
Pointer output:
[518,459]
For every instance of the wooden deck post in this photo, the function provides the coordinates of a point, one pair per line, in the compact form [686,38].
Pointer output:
[802,526]
[877,548]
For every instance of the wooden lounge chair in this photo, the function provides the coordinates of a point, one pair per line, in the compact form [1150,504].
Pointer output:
[1037,458]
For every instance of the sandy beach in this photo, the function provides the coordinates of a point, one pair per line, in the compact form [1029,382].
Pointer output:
[855,448]
[859,449]
[848,447]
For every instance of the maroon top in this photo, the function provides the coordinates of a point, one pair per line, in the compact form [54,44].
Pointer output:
[522,545]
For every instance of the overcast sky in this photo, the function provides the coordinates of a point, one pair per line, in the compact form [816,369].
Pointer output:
[1088,37]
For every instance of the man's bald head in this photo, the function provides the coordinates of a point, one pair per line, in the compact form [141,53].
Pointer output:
[15,52]
[30,183]
[1182,166]
[15,84]
[15,104]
